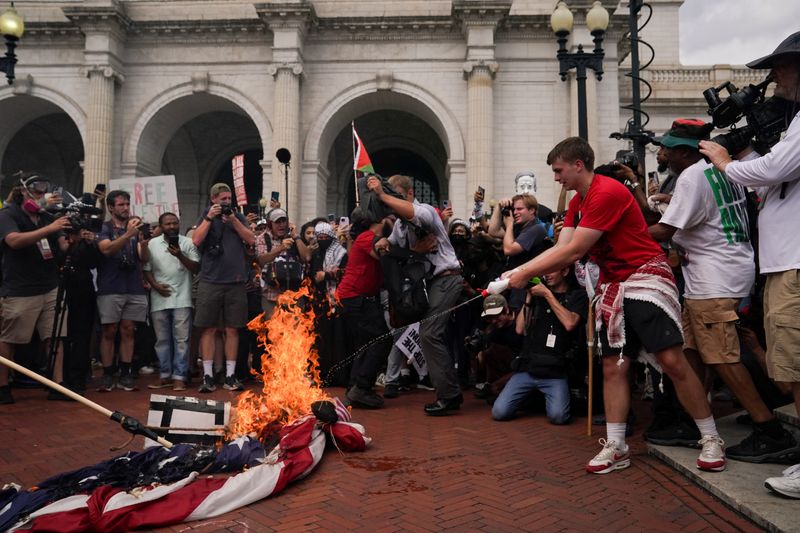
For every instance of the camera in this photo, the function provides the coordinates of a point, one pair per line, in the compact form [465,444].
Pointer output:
[627,158]
[476,342]
[766,118]
[215,250]
[506,211]
[226,210]
[82,215]
[126,264]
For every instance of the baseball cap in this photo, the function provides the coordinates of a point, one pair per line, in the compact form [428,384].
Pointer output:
[686,132]
[277,214]
[789,46]
[494,305]
[218,188]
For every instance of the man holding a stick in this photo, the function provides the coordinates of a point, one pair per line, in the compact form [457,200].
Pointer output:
[637,304]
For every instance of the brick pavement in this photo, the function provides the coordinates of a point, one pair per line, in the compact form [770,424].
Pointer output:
[462,472]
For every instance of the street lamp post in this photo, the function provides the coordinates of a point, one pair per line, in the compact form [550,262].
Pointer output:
[561,24]
[12,28]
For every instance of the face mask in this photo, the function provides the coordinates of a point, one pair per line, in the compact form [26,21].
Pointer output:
[31,206]
[324,244]
[458,240]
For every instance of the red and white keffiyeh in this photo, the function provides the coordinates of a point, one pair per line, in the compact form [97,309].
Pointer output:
[652,282]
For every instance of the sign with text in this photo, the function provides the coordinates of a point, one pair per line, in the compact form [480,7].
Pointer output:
[150,196]
[238,180]
[409,344]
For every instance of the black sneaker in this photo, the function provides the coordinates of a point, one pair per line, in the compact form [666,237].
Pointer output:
[405,382]
[127,383]
[5,395]
[425,383]
[679,434]
[391,390]
[366,398]
[55,395]
[231,383]
[208,385]
[758,447]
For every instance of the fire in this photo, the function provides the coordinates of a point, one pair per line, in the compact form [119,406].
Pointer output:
[289,369]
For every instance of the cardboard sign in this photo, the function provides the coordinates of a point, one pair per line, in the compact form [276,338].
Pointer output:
[238,179]
[409,344]
[151,196]
[194,420]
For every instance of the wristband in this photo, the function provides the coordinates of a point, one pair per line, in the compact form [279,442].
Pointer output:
[206,218]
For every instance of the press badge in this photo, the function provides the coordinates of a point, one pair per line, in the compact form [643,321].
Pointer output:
[551,340]
[44,248]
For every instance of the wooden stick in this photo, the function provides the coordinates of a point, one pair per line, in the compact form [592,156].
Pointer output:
[66,392]
[590,369]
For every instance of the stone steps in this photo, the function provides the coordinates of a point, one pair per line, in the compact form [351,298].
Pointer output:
[788,415]
[741,485]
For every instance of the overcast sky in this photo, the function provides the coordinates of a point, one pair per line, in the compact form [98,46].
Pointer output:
[734,31]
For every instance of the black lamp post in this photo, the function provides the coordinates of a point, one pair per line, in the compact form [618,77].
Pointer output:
[597,22]
[12,28]
[284,157]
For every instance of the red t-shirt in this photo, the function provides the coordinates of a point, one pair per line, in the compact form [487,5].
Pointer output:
[625,244]
[362,275]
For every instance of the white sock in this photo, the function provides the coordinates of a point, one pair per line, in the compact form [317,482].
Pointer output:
[616,431]
[707,426]
[208,367]
[230,368]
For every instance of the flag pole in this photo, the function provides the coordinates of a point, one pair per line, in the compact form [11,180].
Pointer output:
[129,424]
[355,162]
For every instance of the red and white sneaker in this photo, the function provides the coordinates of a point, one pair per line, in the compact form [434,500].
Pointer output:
[609,459]
[712,456]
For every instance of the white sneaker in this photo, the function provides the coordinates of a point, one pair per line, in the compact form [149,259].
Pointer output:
[147,370]
[609,459]
[788,485]
[712,456]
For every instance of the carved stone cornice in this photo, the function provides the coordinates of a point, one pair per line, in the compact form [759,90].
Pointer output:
[298,14]
[107,18]
[51,30]
[194,30]
[481,12]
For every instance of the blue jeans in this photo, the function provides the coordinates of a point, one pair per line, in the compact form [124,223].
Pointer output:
[173,328]
[521,384]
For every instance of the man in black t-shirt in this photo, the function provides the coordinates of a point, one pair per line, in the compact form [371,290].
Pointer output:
[31,241]
[551,320]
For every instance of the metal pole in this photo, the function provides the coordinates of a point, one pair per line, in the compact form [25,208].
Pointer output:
[286,183]
[636,97]
[583,127]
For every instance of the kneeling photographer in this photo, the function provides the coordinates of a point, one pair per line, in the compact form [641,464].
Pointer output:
[494,346]
[552,321]
[32,242]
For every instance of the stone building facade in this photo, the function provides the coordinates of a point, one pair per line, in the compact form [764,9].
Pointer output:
[459,93]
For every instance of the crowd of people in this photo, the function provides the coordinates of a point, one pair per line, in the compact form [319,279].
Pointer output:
[668,273]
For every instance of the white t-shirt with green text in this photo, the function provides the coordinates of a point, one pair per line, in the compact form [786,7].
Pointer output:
[710,213]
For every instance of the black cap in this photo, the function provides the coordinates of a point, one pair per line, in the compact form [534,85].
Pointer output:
[789,46]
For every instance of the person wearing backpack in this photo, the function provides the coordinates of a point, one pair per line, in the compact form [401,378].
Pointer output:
[282,255]
[418,226]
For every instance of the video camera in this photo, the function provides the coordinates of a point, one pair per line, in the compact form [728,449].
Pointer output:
[476,342]
[82,213]
[766,117]
[627,158]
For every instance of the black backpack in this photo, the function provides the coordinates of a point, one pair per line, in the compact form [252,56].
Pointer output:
[286,271]
[406,275]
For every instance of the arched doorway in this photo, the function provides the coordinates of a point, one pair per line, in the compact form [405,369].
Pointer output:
[195,138]
[39,136]
[398,142]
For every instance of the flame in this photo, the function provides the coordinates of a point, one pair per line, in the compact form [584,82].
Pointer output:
[289,368]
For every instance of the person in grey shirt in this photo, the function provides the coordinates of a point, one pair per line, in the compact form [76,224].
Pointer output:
[420,228]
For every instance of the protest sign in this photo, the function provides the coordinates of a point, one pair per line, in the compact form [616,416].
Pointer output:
[409,344]
[150,196]
[238,180]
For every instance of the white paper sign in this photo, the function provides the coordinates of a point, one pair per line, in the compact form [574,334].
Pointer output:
[151,196]
[237,164]
[409,344]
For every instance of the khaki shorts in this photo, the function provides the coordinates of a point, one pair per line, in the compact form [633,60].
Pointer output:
[21,314]
[221,305]
[782,325]
[709,327]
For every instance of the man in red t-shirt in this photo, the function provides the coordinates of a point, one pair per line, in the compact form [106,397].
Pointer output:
[638,301]
[359,293]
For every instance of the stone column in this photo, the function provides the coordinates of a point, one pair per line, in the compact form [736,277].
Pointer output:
[480,124]
[99,127]
[286,134]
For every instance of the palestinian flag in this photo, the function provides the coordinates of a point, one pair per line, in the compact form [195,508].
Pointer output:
[361,161]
